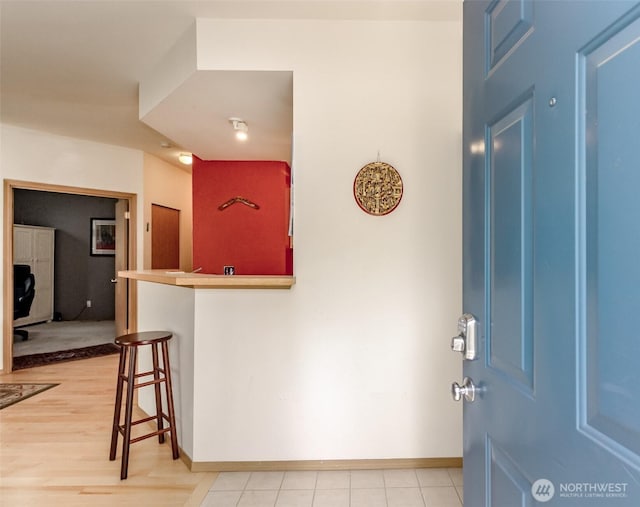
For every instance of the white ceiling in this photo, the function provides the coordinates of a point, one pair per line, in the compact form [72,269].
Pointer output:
[72,68]
[196,114]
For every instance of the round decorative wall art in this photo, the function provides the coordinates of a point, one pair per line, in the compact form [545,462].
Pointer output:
[378,188]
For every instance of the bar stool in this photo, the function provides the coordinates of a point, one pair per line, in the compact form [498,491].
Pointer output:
[130,343]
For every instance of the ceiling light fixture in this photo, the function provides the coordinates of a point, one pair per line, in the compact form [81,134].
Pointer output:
[241,128]
[185,158]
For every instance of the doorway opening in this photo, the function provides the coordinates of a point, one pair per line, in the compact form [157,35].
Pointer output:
[117,307]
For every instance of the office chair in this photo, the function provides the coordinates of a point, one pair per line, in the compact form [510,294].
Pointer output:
[24,284]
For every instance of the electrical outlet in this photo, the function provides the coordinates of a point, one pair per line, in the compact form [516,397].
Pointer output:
[88,303]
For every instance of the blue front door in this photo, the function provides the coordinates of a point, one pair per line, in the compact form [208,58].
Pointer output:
[552,252]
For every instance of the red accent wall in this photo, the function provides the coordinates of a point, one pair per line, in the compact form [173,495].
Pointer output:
[256,242]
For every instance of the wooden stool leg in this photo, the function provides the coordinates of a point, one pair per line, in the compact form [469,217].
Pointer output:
[169,391]
[156,377]
[116,412]
[131,379]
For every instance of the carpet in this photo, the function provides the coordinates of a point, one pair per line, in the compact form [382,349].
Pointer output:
[13,393]
[64,335]
[60,356]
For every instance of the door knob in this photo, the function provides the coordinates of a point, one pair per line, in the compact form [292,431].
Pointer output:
[467,389]
[114,280]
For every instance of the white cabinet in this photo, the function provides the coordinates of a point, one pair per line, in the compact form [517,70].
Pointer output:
[34,246]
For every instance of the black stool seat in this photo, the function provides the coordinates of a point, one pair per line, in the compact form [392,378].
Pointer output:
[129,344]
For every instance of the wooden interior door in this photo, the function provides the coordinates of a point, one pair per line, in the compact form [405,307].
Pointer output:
[165,237]
[121,264]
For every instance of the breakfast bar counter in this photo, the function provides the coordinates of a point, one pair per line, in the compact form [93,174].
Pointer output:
[203,280]
[222,370]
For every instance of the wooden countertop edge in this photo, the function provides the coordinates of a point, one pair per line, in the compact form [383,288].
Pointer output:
[205,281]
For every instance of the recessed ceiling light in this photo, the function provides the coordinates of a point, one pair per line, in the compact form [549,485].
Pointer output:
[185,158]
[241,128]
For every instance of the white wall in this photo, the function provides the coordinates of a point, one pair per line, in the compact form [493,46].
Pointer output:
[172,309]
[33,156]
[354,361]
[168,186]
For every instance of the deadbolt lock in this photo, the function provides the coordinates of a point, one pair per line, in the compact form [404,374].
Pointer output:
[466,340]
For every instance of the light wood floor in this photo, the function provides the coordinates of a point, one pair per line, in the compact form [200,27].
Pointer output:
[54,446]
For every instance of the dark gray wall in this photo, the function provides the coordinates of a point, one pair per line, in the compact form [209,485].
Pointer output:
[78,275]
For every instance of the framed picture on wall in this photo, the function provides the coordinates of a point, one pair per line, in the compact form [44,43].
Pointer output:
[103,236]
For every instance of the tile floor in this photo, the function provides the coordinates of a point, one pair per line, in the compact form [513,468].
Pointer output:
[430,487]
